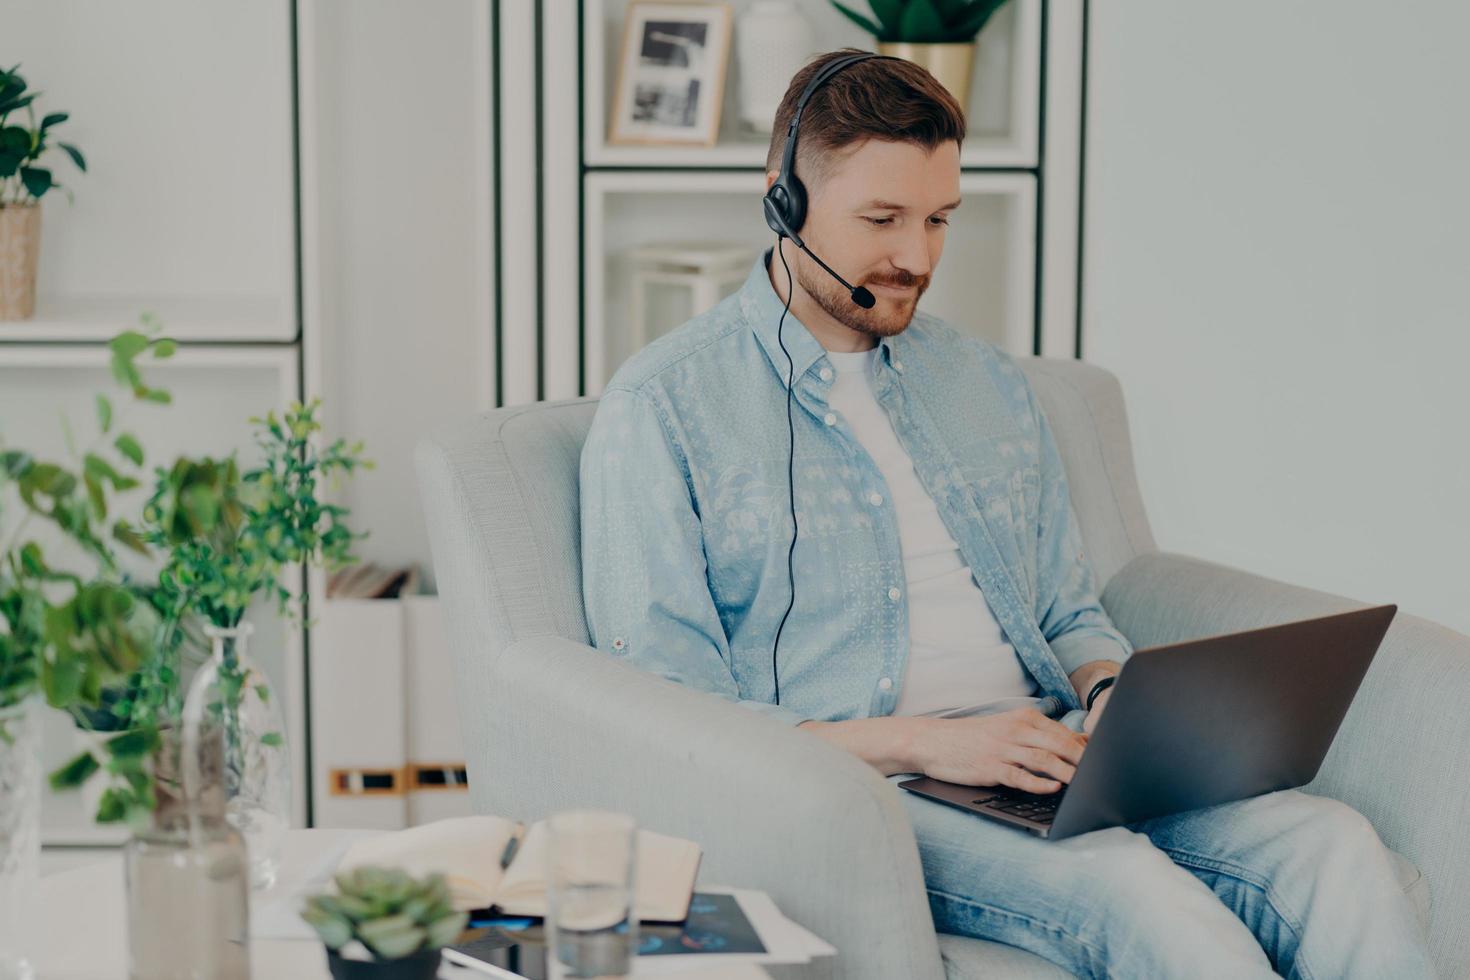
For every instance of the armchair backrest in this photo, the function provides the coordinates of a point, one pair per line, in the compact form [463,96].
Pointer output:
[500,495]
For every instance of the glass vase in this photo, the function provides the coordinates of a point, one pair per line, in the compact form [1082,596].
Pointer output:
[257,771]
[20,832]
[188,890]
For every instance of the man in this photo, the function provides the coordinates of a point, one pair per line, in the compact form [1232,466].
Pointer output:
[945,613]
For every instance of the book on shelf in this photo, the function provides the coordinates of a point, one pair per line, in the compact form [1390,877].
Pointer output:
[369,580]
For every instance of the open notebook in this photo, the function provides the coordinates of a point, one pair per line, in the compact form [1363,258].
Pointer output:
[468,852]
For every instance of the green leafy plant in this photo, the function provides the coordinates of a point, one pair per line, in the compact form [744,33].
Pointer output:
[226,534]
[22,180]
[230,532]
[72,631]
[924,21]
[391,913]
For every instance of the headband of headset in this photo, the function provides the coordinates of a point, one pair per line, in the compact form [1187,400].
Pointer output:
[785,202]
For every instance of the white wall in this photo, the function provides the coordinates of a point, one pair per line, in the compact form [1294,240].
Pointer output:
[397,186]
[1277,249]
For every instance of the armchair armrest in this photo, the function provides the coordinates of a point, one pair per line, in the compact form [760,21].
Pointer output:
[557,724]
[1402,755]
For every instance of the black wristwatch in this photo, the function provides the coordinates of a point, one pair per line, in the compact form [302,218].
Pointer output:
[1099,687]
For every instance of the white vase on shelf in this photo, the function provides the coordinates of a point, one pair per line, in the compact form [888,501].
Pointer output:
[772,41]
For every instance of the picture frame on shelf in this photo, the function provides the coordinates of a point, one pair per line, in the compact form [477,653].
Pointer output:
[671,73]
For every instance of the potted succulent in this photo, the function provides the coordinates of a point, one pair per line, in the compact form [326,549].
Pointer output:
[937,34]
[23,182]
[383,924]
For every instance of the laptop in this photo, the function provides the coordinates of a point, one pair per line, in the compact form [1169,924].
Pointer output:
[1193,724]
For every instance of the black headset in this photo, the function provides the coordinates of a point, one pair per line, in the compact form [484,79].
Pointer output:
[785,203]
[785,209]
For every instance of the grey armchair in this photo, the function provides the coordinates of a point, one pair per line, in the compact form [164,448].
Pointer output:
[550,722]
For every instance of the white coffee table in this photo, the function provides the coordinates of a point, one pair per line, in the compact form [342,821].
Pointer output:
[81,925]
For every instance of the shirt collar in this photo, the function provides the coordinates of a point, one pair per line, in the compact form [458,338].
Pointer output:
[762,309]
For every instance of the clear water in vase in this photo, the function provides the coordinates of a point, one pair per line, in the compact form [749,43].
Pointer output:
[188,888]
[257,774]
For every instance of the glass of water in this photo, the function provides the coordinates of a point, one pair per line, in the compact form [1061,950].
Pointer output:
[592,927]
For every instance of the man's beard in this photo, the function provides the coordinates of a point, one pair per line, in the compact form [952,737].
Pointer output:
[878,322]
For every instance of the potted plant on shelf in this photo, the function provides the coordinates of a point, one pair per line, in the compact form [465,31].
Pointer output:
[23,182]
[937,34]
[382,924]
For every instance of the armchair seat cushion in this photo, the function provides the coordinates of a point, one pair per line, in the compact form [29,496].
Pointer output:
[972,959]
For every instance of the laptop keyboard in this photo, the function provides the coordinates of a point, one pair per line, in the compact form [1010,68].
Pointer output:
[1040,807]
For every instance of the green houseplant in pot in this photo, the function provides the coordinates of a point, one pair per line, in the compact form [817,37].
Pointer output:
[23,182]
[937,34]
[383,924]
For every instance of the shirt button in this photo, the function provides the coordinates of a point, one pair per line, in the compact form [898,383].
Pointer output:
[877,499]
[886,683]
[830,419]
[898,367]
[826,374]
[618,643]
[893,593]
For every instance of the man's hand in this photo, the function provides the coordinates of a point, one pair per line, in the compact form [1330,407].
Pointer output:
[1007,748]
[1082,680]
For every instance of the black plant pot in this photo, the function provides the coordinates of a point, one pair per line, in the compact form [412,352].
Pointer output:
[419,966]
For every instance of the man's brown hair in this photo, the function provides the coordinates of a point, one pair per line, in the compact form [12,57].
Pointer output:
[883,99]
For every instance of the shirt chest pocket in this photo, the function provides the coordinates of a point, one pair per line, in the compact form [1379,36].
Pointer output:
[1009,501]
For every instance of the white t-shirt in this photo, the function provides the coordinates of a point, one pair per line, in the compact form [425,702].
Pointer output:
[959,656]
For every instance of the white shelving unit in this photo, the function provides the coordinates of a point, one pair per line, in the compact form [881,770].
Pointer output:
[1009,268]
[215,391]
[186,207]
[995,240]
[1003,95]
[184,110]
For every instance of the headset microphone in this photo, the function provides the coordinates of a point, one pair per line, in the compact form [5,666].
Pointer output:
[785,209]
[860,294]
[777,221]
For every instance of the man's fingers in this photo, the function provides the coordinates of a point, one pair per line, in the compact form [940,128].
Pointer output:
[1018,778]
[1042,762]
[1056,738]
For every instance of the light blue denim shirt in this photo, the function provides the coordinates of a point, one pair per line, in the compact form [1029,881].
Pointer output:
[685,519]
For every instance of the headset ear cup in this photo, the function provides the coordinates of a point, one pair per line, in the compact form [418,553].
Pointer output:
[775,217]
[795,202]
[785,206]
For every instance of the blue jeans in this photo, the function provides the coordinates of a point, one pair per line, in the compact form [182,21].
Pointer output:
[1286,882]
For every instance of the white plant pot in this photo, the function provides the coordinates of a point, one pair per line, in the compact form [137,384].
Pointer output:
[772,41]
